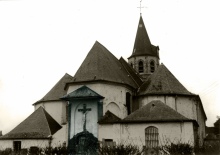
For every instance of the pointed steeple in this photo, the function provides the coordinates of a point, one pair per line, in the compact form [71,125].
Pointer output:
[142,44]
[145,56]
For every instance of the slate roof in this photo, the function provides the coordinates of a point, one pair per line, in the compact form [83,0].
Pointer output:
[82,92]
[39,125]
[57,91]
[109,118]
[100,64]
[132,73]
[162,81]
[142,44]
[155,111]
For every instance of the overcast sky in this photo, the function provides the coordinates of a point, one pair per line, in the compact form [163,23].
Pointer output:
[42,40]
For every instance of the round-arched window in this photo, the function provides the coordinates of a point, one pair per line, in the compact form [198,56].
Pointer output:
[140,67]
[152,66]
[151,137]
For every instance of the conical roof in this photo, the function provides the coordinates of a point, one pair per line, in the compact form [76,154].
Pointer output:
[142,44]
[58,90]
[162,81]
[149,113]
[39,125]
[100,64]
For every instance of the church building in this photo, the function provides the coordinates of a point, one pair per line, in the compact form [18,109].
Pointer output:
[115,101]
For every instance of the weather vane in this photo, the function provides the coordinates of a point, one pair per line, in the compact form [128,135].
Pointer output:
[140,6]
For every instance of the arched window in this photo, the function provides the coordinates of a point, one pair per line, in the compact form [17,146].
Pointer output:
[151,137]
[132,65]
[128,102]
[140,67]
[152,66]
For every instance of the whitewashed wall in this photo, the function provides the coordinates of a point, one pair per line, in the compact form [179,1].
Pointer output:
[188,106]
[110,131]
[60,137]
[25,144]
[112,93]
[202,124]
[135,133]
[184,105]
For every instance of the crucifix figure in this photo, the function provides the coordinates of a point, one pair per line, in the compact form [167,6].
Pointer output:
[84,111]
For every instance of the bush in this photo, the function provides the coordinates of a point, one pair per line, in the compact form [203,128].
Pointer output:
[208,149]
[60,150]
[128,149]
[7,151]
[119,149]
[180,149]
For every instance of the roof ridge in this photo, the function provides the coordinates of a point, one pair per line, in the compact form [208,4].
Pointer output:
[46,119]
[128,72]
[167,81]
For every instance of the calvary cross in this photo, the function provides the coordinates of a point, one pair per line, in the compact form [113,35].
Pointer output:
[140,7]
[84,111]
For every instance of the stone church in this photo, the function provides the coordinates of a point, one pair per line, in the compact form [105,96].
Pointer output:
[115,101]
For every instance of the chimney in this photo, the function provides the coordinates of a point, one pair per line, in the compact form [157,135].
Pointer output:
[0,133]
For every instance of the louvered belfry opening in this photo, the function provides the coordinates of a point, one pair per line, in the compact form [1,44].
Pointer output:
[152,66]
[140,67]
[151,137]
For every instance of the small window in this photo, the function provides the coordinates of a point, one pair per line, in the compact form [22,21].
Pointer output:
[132,65]
[17,145]
[152,66]
[151,137]
[140,67]
[109,142]
[34,150]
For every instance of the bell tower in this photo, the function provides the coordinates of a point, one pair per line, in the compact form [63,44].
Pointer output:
[145,56]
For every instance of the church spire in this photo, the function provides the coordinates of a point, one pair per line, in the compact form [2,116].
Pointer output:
[142,44]
[145,56]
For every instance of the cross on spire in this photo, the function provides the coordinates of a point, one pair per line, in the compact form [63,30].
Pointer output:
[84,111]
[140,6]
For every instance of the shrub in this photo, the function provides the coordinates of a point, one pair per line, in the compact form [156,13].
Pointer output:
[7,151]
[119,149]
[180,149]
[208,149]
[60,150]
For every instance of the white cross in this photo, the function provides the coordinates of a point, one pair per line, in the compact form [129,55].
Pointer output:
[140,6]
